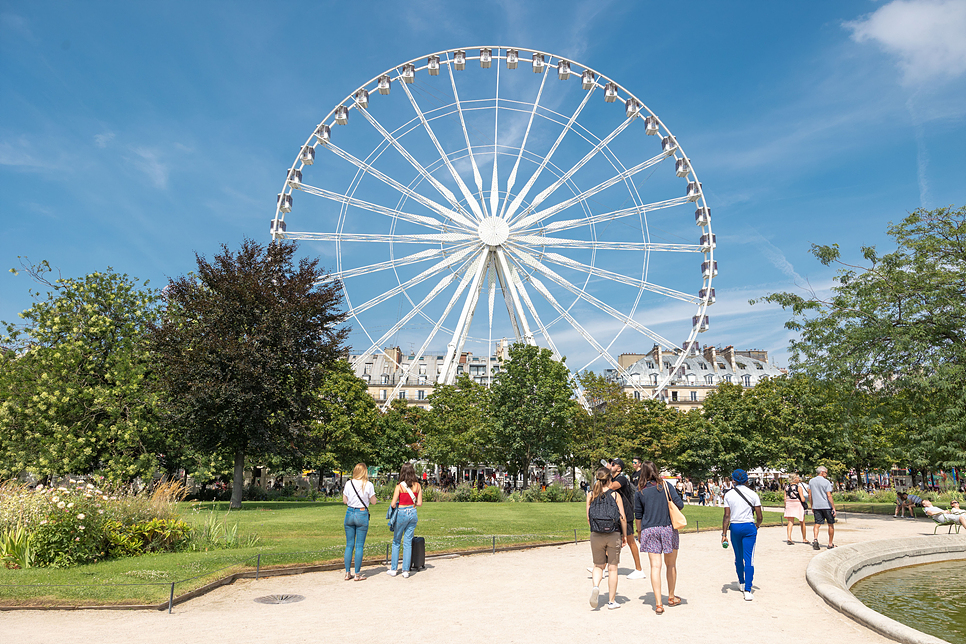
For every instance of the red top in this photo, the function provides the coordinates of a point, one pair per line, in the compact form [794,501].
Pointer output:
[405,498]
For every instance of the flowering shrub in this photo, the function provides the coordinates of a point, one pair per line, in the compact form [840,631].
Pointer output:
[80,523]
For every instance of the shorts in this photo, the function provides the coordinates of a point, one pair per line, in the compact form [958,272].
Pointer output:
[660,540]
[606,548]
[822,515]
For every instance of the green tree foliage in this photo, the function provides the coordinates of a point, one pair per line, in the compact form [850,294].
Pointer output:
[243,349]
[460,427]
[74,394]
[895,327]
[344,421]
[399,436]
[617,425]
[533,409]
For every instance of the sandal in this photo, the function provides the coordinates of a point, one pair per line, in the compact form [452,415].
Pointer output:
[659,609]
[348,576]
[360,578]
[673,601]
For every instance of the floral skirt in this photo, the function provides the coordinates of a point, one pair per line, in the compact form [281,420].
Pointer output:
[660,540]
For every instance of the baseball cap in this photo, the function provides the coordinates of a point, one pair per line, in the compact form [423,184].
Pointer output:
[617,461]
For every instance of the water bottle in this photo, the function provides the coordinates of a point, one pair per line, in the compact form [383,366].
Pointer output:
[724,544]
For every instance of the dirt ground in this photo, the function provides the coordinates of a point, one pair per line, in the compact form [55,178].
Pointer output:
[538,595]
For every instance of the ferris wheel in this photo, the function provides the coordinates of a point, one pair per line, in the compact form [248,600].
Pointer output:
[473,173]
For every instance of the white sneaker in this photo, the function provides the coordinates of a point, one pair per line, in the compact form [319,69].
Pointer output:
[391,573]
[612,605]
[748,596]
[637,574]
[406,574]
[594,593]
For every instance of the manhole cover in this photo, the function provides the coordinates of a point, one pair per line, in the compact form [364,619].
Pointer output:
[279,599]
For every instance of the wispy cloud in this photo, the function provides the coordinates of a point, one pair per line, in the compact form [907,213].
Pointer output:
[927,36]
[102,140]
[149,162]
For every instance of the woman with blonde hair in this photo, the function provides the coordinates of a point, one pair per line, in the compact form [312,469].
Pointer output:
[406,497]
[358,494]
[796,495]
[608,525]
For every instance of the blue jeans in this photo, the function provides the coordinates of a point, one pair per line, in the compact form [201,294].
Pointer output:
[743,538]
[406,521]
[356,527]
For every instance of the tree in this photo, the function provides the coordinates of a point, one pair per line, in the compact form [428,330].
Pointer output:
[74,394]
[345,420]
[533,409]
[896,328]
[243,350]
[460,427]
[399,436]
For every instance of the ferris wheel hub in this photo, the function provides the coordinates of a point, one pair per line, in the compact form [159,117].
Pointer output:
[493,231]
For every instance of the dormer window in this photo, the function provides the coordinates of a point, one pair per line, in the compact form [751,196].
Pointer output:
[703,366]
[650,365]
[760,366]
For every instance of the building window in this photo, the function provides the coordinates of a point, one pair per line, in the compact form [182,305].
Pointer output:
[420,395]
[385,368]
[694,396]
[746,380]
[703,366]
[759,366]
[382,394]
[709,380]
[654,379]
[650,365]
[402,394]
[674,396]
[367,368]
[727,377]
[459,369]
[637,395]
[667,365]
[385,379]
[366,378]
[422,368]
[422,380]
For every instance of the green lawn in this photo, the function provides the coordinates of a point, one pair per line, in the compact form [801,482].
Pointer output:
[305,533]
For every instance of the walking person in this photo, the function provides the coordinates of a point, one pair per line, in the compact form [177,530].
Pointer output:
[796,495]
[743,515]
[620,483]
[658,537]
[702,492]
[608,525]
[406,497]
[823,506]
[358,494]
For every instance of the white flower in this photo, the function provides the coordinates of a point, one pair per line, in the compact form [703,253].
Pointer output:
[81,516]
[61,504]
[100,511]
[90,486]
[70,505]
[80,527]
[62,489]
[39,487]
[76,538]
[44,522]
[105,498]
[55,498]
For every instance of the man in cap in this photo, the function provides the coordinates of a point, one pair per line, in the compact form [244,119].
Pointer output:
[620,483]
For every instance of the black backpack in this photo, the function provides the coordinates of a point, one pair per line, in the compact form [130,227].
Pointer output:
[605,516]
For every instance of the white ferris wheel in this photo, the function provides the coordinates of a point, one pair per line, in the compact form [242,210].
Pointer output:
[485,193]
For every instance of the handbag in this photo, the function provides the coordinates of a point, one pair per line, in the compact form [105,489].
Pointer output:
[802,498]
[678,520]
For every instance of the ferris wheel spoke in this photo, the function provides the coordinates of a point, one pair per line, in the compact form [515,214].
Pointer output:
[562,179]
[512,179]
[531,261]
[556,242]
[421,220]
[453,238]
[545,292]
[515,310]
[418,279]
[560,260]
[455,346]
[439,288]
[409,192]
[610,216]
[470,199]
[586,194]
[469,148]
[525,297]
[495,183]
[415,258]
[443,190]
[543,164]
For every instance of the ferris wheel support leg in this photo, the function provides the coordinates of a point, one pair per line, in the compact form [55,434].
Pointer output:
[455,346]
[504,270]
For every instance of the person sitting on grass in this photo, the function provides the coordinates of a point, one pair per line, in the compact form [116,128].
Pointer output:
[954,515]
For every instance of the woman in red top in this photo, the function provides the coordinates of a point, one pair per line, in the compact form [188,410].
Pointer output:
[407,496]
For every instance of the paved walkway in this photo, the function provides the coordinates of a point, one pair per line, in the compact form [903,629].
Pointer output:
[538,595]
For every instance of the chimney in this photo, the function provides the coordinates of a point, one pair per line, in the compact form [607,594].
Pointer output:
[728,353]
[711,356]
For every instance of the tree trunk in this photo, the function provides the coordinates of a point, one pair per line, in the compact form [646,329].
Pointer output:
[238,483]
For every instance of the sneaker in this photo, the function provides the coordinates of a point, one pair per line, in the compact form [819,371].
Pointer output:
[748,596]
[392,573]
[815,545]
[830,546]
[406,575]
[594,593]
[637,574]
[612,605]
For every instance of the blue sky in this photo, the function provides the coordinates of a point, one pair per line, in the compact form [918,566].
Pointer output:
[133,135]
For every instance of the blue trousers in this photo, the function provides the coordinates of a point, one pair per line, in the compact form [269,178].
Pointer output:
[356,527]
[406,521]
[743,538]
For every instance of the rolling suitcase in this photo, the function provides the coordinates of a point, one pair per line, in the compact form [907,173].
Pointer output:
[418,558]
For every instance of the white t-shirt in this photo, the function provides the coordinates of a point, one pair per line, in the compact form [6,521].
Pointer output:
[366,491]
[740,510]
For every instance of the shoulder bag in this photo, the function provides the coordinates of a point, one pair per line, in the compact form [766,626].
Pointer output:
[801,497]
[678,520]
